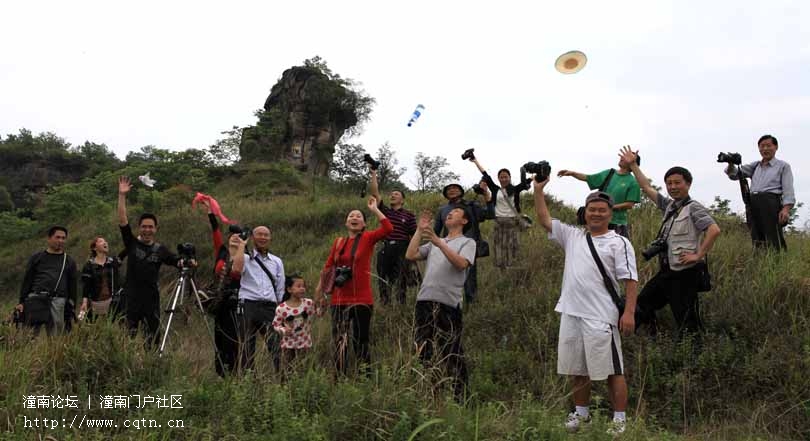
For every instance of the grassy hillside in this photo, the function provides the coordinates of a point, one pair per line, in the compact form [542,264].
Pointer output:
[749,382]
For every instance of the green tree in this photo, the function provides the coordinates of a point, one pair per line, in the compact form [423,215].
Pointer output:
[432,173]
[348,166]
[225,151]
[6,203]
[389,173]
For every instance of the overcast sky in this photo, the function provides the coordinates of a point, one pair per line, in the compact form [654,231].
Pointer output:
[679,80]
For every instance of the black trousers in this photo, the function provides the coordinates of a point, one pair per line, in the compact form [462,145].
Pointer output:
[678,289]
[351,329]
[391,266]
[149,315]
[226,339]
[765,228]
[257,318]
[621,230]
[438,332]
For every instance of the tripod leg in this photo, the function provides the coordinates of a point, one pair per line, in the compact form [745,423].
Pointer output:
[178,293]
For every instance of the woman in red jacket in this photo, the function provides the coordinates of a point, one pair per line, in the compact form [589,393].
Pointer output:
[352,301]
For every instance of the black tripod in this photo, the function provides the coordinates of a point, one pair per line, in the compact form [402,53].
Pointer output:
[186,279]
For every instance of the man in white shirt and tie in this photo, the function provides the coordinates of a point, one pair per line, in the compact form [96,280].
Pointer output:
[260,292]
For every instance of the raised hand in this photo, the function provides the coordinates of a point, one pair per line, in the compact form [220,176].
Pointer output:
[124,185]
[425,220]
[627,155]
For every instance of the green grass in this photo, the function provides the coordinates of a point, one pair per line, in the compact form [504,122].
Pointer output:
[749,382]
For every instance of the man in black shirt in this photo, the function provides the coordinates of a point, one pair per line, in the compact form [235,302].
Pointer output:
[144,257]
[49,283]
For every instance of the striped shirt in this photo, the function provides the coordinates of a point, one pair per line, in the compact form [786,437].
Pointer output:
[403,220]
[773,176]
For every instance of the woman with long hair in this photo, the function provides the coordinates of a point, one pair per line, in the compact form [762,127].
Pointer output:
[100,280]
[352,302]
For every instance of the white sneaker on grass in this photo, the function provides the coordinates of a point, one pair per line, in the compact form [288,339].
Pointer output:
[616,427]
[575,421]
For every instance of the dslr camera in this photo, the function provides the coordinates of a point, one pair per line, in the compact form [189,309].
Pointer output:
[468,154]
[187,252]
[243,232]
[540,169]
[731,158]
[477,189]
[370,161]
[342,275]
[658,246]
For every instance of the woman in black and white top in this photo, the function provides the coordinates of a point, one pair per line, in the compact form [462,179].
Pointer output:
[100,280]
[508,221]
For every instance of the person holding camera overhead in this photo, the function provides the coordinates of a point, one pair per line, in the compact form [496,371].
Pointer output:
[261,289]
[392,268]
[144,258]
[228,265]
[685,237]
[772,195]
[597,263]
[506,202]
[348,268]
[620,185]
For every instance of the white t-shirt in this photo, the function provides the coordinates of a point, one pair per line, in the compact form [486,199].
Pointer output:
[583,290]
[502,206]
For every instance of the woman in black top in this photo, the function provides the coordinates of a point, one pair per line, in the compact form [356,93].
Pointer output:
[506,207]
[100,279]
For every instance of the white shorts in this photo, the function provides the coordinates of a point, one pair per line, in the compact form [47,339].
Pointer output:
[589,348]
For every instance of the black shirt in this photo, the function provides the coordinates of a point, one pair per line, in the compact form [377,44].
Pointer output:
[143,268]
[42,273]
[93,275]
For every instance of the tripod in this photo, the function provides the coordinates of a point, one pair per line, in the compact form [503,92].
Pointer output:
[186,278]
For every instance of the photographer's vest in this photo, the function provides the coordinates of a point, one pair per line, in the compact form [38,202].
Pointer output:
[683,238]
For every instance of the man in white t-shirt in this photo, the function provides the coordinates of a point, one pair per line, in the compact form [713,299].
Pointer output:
[438,325]
[589,344]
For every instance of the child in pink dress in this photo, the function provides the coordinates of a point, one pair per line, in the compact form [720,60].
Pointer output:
[294,320]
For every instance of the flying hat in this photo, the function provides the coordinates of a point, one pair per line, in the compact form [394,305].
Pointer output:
[570,62]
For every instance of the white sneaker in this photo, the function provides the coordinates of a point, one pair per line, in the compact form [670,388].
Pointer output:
[616,427]
[575,421]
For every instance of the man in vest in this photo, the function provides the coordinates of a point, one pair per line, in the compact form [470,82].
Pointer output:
[678,246]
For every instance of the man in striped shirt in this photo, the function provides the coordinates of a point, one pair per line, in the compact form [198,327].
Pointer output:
[772,194]
[392,268]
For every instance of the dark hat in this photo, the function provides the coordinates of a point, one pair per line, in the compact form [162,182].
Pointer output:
[599,196]
[447,187]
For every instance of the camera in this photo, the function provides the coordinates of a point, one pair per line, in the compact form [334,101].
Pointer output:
[478,190]
[243,232]
[370,161]
[657,247]
[468,154]
[731,158]
[342,275]
[540,169]
[187,252]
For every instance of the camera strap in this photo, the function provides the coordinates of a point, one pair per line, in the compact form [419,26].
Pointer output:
[61,272]
[607,180]
[671,215]
[267,271]
[605,278]
[354,249]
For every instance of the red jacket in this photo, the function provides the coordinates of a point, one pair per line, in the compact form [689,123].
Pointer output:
[358,289]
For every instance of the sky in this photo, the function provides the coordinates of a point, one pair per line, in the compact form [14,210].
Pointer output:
[678,80]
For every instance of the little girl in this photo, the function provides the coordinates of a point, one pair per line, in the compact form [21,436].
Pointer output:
[294,320]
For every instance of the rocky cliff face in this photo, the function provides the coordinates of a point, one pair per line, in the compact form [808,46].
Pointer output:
[304,116]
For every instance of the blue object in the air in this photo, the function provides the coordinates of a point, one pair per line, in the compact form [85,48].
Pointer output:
[416,114]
